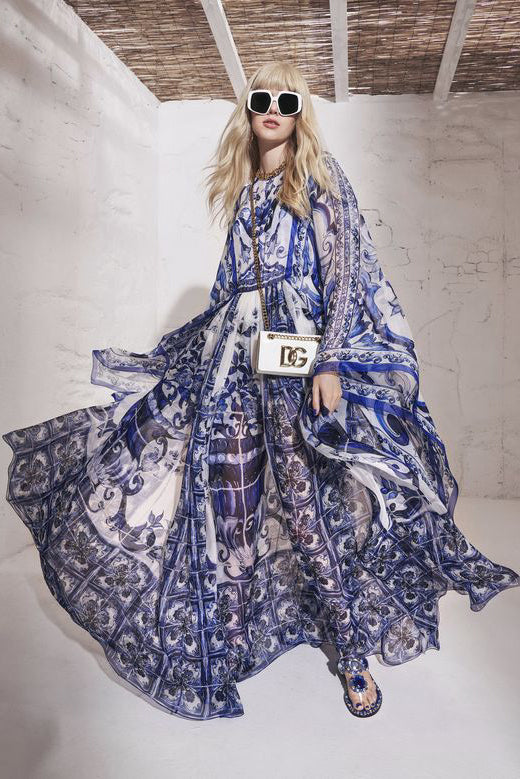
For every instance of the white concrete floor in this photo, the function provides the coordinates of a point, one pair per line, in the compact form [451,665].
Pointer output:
[66,715]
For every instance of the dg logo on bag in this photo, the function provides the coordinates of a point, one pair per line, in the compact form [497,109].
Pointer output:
[289,356]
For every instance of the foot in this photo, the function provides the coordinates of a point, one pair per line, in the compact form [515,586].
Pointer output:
[361,698]
[361,687]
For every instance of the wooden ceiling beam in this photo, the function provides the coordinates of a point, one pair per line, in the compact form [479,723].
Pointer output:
[225,44]
[452,50]
[338,24]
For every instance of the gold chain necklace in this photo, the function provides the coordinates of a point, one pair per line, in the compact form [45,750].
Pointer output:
[260,174]
[255,254]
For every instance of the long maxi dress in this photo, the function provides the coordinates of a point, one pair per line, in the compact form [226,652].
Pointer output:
[205,520]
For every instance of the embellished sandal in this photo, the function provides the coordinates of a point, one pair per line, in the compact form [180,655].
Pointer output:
[357,683]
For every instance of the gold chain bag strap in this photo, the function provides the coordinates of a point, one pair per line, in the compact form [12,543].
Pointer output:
[286,354]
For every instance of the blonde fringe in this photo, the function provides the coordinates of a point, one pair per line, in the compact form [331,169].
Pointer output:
[236,158]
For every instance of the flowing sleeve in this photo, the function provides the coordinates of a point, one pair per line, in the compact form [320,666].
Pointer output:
[382,426]
[335,220]
[128,372]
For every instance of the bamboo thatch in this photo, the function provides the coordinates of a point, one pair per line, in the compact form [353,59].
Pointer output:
[394,46]
[490,59]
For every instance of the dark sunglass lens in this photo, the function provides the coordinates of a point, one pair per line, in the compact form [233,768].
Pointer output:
[260,102]
[287,103]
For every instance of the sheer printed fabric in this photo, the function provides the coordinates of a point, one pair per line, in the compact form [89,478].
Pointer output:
[205,521]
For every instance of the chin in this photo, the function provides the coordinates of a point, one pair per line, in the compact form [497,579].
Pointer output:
[272,135]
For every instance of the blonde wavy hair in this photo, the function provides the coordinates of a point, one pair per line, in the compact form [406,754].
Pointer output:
[237,154]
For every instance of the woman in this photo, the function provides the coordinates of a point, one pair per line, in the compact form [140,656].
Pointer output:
[211,518]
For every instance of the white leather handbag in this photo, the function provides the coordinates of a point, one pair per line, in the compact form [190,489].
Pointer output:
[285,354]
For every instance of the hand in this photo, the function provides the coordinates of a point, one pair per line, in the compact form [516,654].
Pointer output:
[327,387]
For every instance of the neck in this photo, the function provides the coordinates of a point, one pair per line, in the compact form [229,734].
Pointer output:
[271,156]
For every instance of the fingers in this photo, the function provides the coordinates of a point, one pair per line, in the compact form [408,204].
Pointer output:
[325,395]
[316,397]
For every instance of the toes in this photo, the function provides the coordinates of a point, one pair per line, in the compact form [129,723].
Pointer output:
[362,699]
[358,699]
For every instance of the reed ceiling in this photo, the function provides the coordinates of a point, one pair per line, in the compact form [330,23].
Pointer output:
[393,47]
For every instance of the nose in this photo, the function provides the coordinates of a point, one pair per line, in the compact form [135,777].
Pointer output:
[274,105]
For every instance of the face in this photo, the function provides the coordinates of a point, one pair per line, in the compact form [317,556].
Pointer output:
[271,128]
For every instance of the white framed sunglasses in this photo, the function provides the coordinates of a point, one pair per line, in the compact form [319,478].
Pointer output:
[259,101]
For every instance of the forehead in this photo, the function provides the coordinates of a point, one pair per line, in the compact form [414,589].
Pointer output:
[274,84]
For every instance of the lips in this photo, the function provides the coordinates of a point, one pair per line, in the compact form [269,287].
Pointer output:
[271,123]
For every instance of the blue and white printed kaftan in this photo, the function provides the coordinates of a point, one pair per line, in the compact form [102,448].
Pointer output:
[206,521]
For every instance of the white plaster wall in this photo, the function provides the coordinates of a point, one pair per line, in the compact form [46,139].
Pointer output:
[440,189]
[190,246]
[78,213]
